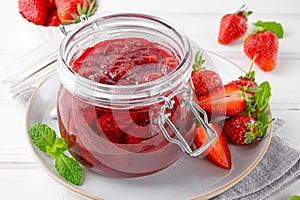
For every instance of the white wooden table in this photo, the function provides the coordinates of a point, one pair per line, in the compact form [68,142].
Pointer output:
[20,175]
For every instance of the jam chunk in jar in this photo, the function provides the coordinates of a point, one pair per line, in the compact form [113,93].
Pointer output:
[112,93]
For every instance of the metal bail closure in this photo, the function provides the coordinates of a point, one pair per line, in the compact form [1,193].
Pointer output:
[197,110]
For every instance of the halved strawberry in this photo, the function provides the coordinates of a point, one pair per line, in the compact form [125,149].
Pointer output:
[204,80]
[219,152]
[228,100]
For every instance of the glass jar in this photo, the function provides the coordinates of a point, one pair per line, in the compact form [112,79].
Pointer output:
[133,129]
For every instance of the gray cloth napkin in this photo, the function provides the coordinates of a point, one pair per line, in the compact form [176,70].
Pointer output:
[279,168]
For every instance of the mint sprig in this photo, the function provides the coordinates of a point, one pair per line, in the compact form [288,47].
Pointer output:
[259,101]
[45,139]
[262,96]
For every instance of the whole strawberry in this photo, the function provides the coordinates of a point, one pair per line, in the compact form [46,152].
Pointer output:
[69,11]
[204,80]
[263,43]
[233,26]
[243,129]
[34,10]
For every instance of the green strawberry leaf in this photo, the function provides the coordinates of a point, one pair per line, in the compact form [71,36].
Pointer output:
[198,61]
[262,96]
[243,10]
[69,169]
[42,136]
[58,148]
[269,26]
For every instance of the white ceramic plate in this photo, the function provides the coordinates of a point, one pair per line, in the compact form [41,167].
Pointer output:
[188,178]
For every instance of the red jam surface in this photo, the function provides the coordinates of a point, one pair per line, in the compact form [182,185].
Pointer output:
[122,141]
[126,61]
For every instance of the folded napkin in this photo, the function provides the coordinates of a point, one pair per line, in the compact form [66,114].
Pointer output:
[279,168]
[23,97]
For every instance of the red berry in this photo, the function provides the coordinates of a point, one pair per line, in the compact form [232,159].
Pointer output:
[146,58]
[168,65]
[107,125]
[52,19]
[264,46]
[233,26]
[34,10]
[227,100]
[218,152]
[67,10]
[121,67]
[204,80]
[236,127]
[52,6]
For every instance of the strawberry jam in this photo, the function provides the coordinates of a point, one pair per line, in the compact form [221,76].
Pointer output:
[110,100]
[126,61]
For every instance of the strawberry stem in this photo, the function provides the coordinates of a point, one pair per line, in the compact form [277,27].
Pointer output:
[243,11]
[250,74]
[198,61]
[88,8]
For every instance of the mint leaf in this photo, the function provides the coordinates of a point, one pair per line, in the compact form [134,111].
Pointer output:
[270,26]
[42,136]
[69,169]
[264,119]
[262,96]
[58,148]
[295,197]
[45,139]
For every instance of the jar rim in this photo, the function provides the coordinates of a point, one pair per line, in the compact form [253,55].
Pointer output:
[88,88]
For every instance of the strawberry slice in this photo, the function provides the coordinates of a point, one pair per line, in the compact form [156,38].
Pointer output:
[228,100]
[219,152]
